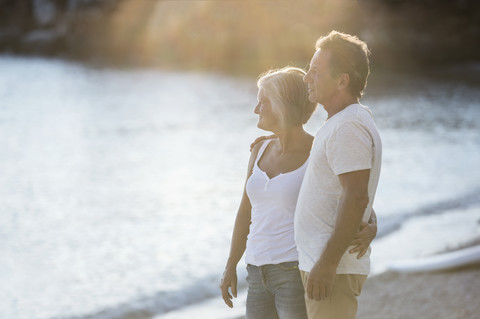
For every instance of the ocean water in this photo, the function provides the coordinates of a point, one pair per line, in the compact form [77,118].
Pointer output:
[120,188]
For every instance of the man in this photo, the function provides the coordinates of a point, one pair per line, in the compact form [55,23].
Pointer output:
[341,179]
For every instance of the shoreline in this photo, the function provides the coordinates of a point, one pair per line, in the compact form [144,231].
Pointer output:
[429,295]
[445,294]
[441,294]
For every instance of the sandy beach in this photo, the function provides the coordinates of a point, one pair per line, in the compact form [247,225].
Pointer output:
[452,294]
[448,294]
[440,295]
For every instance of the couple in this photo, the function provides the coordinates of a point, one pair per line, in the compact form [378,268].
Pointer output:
[302,220]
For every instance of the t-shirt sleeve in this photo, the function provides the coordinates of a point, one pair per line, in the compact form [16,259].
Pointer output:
[350,148]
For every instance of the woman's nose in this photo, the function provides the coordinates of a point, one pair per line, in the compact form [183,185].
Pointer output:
[257,109]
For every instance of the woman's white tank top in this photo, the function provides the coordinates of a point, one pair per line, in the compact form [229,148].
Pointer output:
[271,239]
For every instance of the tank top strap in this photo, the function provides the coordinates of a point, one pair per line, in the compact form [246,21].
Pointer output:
[261,150]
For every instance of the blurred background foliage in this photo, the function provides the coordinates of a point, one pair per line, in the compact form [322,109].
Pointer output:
[242,37]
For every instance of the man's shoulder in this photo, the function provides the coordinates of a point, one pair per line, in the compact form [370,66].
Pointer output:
[358,115]
[356,112]
[354,117]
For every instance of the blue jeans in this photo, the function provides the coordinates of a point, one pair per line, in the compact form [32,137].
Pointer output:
[275,291]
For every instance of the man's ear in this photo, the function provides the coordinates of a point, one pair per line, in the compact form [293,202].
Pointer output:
[343,81]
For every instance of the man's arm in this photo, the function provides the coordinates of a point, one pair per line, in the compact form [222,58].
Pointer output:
[349,216]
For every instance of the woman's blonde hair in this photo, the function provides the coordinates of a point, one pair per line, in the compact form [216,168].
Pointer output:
[286,89]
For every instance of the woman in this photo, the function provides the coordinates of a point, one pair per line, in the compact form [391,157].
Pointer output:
[264,224]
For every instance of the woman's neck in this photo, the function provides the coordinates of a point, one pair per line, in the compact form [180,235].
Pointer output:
[293,139]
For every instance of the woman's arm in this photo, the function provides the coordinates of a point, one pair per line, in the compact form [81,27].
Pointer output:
[239,240]
[237,248]
[364,236]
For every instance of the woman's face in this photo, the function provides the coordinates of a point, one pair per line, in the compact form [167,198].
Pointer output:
[267,119]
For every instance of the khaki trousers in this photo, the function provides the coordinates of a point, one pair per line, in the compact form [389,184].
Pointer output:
[342,304]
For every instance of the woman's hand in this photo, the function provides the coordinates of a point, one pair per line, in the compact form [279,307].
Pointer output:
[229,280]
[363,238]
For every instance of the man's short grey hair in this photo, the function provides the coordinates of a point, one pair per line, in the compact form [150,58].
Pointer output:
[349,55]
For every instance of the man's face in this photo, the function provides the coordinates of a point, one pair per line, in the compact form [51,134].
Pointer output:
[321,85]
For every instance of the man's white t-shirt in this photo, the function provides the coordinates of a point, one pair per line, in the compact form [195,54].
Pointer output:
[347,142]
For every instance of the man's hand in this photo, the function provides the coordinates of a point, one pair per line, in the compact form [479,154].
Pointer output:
[363,238]
[320,282]
[229,280]
[259,139]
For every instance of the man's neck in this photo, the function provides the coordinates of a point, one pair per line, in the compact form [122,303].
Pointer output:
[334,107]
